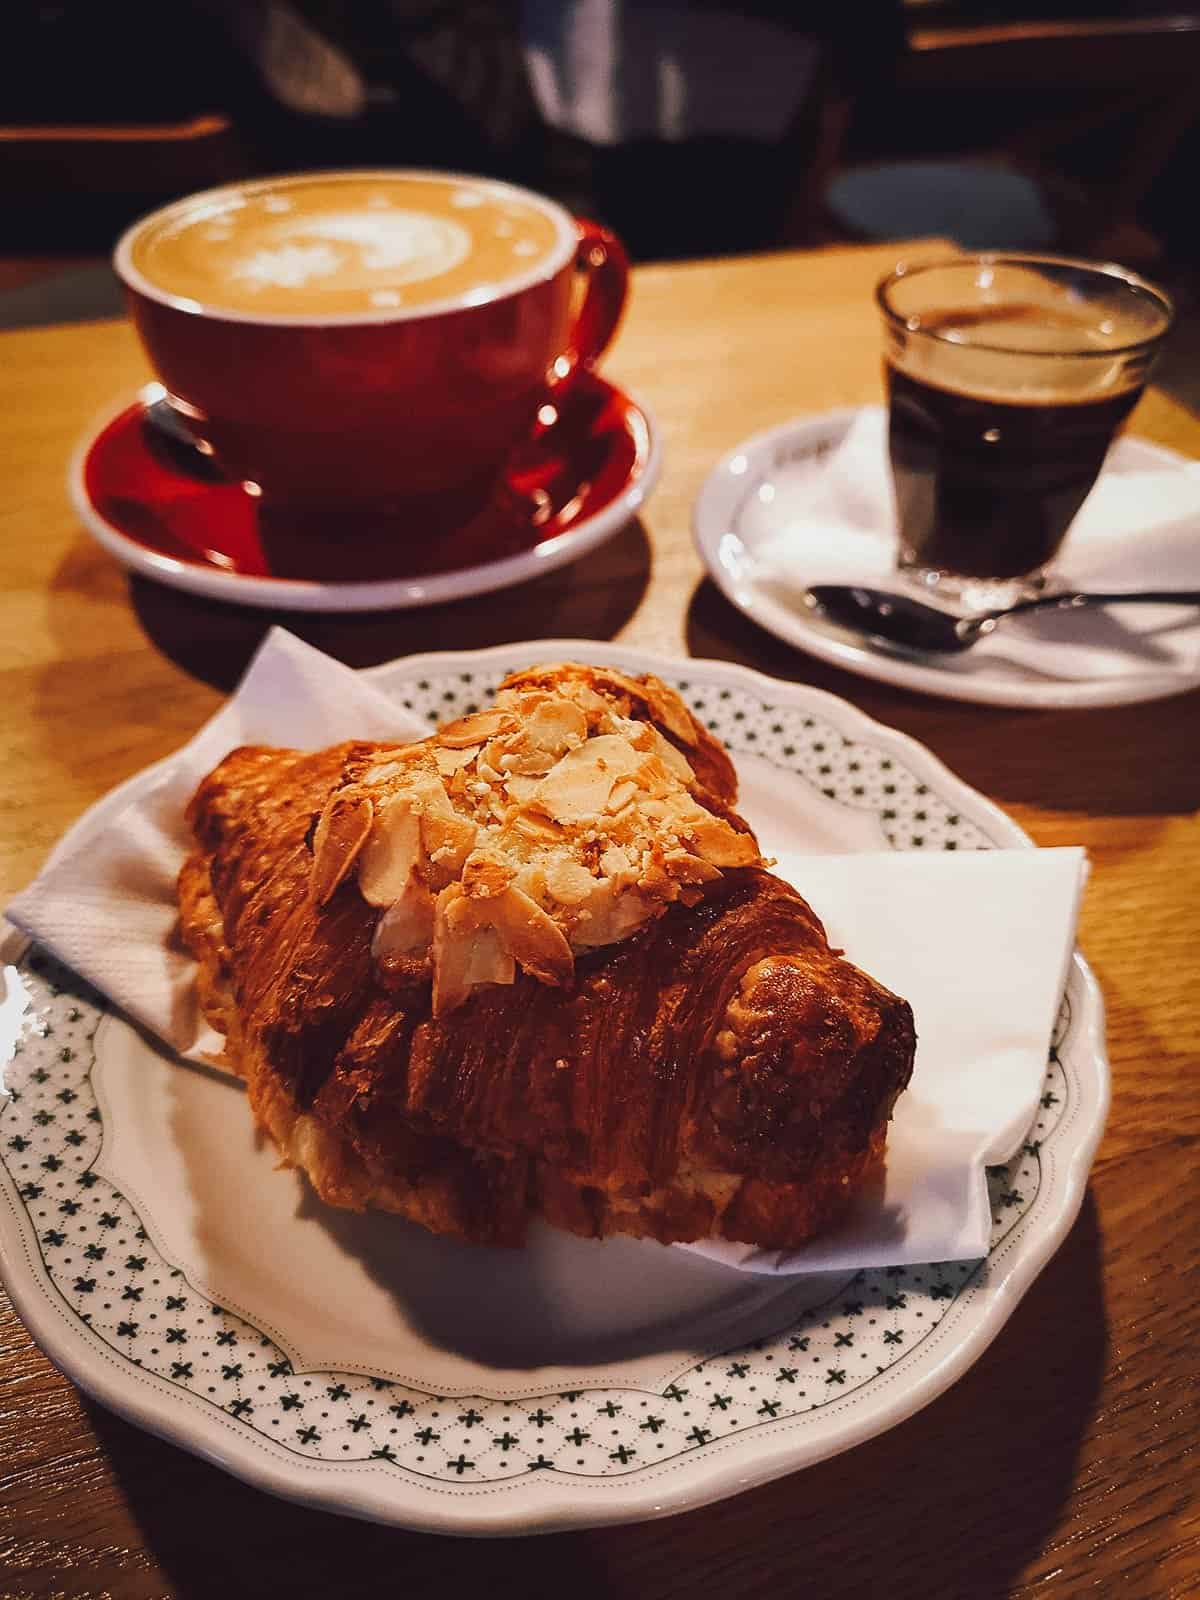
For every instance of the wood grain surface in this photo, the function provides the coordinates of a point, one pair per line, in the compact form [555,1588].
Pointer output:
[1064,1463]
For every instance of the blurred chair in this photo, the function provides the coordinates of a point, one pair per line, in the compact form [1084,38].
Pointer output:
[1124,83]
[117,158]
[124,98]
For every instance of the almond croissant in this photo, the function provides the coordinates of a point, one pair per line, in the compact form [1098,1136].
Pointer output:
[535,966]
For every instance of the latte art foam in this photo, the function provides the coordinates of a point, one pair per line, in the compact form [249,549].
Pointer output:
[341,244]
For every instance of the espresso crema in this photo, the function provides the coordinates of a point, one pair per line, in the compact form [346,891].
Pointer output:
[344,244]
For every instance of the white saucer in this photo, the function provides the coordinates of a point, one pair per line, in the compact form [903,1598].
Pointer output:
[763,490]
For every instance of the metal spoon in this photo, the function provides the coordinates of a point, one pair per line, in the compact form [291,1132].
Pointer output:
[898,619]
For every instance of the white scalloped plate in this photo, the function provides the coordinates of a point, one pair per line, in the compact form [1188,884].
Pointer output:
[175,1277]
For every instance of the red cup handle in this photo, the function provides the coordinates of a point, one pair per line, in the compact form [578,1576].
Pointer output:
[603,264]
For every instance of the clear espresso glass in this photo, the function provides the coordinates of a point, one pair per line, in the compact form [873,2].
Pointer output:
[1008,376]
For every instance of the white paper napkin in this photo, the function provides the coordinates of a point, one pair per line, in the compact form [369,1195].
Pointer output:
[105,903]
[834,521]
[978,942]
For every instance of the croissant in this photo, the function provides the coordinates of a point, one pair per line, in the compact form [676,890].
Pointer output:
[536,966]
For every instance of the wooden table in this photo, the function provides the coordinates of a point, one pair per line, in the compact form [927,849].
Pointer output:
[1064,1461]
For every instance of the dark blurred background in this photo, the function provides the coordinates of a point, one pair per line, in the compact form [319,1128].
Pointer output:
[691,128]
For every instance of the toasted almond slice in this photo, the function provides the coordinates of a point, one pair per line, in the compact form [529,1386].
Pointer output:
[486,873]
[456,784]
[391,760]
[447,842]
[674,760]
[555,726]
[429,795]
[580,784]
[486,960]
[593,705]
[383,773]
[622,794]
[454,922]
[653,776]
[497,753]
[526,701]
[531,880]
[713,838]
[532,938]
[449,761]
[686,868]
[478,728]
[406,927]
[612,915]
[537,830]
[392,853]
[568,882]
[339,836]
[615,862]
[656,881]
[529,763]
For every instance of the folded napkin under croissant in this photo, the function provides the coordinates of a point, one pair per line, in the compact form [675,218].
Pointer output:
[978,942]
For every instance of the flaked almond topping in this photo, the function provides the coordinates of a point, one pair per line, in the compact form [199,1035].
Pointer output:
[652,775]
[520,788]
[339,836]
[394,762]
[486,873]
[722,845]
[556,821]
[406,927]
[611,915]
[447,841]
[674,760]
[568,881]
[580,784]
[622,793]
[392,852]
[449,761]
[529,763]
[454,924]
[477,728]
[555,726]
[615,862]
[534,940]
[688,868]
[535,829]
[487,961]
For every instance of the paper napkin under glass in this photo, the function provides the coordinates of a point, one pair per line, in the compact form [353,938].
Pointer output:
[978,942]
[833,520]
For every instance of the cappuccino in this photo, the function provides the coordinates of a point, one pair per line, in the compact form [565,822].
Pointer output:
[348,245]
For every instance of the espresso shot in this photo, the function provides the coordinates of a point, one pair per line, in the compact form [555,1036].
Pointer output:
[1007,380]
[987,488]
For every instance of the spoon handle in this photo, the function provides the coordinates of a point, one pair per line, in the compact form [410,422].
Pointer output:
[1071,602]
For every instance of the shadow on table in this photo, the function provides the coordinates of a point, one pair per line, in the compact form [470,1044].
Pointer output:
[1126,760]
[961,1499]
[593,598]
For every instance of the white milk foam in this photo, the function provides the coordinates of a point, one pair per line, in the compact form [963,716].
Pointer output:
[363,250]
[342,243]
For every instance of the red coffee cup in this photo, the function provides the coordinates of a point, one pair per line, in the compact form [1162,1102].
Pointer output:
[402,415]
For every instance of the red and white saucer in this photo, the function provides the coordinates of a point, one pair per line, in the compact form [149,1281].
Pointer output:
[164,511]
